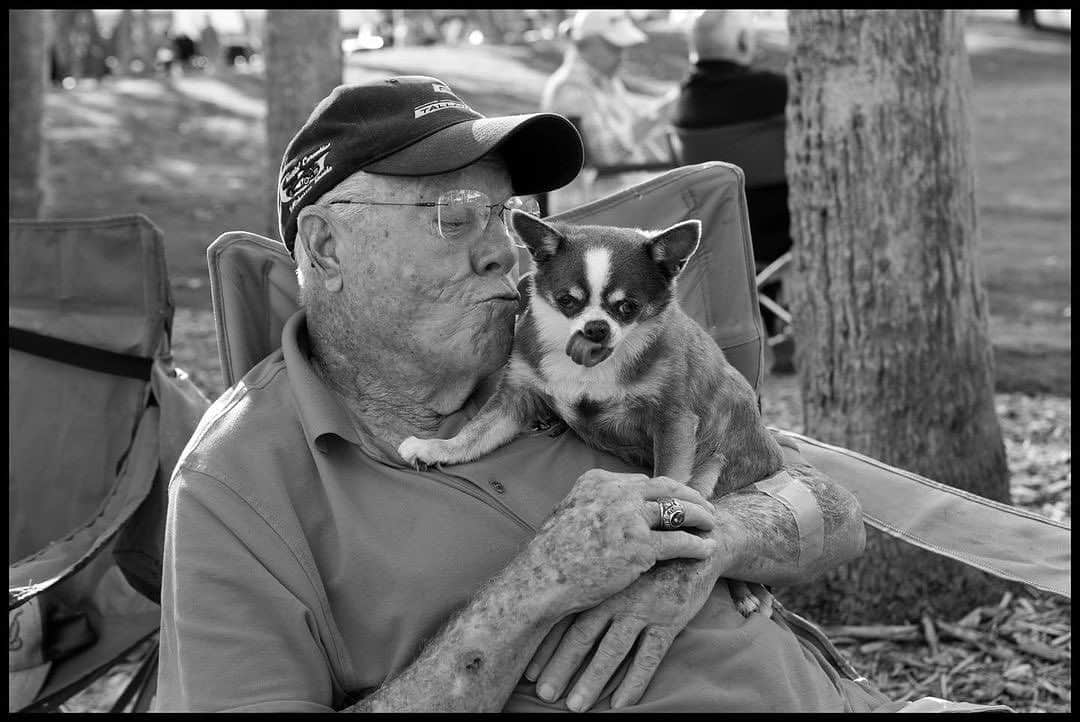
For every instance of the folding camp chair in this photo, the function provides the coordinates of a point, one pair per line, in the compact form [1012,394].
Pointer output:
[97,418]
[757,147]
[254,290]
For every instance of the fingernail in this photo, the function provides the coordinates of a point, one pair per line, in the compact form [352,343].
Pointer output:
[616,702]
[531,673]
[575,703]
[546,692]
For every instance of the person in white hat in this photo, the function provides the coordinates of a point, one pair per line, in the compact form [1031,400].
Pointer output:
[617,126]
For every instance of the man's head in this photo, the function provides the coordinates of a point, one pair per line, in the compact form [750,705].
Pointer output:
[601,36]
[390,200]
[723,35]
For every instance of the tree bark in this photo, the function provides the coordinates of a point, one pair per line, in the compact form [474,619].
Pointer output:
[303,64]
[892,343]
[27,73]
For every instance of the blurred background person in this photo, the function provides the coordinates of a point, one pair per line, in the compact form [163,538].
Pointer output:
[618,126]
[723,87]
[729,110]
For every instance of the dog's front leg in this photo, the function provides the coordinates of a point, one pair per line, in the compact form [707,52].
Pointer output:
[495,424]
[674,447]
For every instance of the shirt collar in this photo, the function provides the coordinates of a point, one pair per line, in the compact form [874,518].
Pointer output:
[323,413]
[716,66]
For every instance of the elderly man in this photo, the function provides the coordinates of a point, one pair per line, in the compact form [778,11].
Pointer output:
[307,568]
[619,127]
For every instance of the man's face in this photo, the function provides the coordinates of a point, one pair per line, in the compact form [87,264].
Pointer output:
[441,303]
[601,54]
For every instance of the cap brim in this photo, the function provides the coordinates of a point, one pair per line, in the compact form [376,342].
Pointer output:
[543,151]
[624,35]
[24,685]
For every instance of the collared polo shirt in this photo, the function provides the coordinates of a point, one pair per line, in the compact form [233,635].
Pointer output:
[305,564]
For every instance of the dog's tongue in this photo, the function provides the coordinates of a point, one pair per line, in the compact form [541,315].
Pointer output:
[585,352]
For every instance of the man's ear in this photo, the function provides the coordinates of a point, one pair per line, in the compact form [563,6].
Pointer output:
[672,247]
[313,230]
[542,240]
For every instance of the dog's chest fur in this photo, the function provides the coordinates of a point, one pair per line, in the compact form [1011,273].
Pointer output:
[606,404]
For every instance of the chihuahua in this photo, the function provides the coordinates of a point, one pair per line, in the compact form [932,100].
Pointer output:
[604,347]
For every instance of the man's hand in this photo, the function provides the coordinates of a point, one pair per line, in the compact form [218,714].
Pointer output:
[655,608]
[603,536]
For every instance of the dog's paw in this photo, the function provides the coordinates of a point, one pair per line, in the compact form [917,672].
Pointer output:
[745,600]
[420,453]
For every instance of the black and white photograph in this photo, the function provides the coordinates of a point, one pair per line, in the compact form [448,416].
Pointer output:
[526,361]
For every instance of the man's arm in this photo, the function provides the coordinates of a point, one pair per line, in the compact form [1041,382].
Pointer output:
[805,525]
[477,658]
[763,539]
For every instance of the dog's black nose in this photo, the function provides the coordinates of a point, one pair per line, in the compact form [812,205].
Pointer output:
[597,331]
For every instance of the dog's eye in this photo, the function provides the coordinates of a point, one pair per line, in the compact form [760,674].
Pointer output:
[626,308]
[566,302]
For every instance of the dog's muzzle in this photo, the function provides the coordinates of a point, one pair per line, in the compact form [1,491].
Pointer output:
[585,352]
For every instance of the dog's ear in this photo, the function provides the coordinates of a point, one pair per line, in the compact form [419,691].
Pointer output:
[672,247]
[542,240]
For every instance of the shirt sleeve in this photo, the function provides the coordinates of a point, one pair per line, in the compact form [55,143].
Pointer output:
[235,634]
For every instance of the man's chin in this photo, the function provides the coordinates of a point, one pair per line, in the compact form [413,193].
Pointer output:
[495,338]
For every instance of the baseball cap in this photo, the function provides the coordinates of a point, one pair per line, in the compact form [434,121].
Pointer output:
[416,125]
[27,666]
[615,26]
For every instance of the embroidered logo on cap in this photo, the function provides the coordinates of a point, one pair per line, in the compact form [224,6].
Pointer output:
[440,88]
[436,105]
[304,173]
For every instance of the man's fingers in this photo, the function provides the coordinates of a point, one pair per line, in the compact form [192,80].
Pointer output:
[654,645]
[575,645]
[696,516]
[547,648]
[681,544]
[613,649]
[664,486]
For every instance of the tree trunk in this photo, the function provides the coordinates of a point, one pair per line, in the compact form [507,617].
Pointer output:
[892,342]
[303,64]
[27,72]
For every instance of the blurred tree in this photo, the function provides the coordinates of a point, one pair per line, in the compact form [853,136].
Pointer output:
[78,47]
[303,64]
[892,344]
[27,72]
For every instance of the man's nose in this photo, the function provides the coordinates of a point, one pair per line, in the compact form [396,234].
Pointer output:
[597,331]
[493,254]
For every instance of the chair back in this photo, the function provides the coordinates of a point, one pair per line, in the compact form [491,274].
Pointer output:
[100,283]
[97,416]
[254,290]
[755,146]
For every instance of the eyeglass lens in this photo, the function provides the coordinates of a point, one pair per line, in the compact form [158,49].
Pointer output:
[464,213]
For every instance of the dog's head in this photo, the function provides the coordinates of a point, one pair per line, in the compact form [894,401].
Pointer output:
[596,285]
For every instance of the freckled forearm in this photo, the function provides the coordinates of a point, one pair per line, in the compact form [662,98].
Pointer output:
[475,661]
[759,537]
